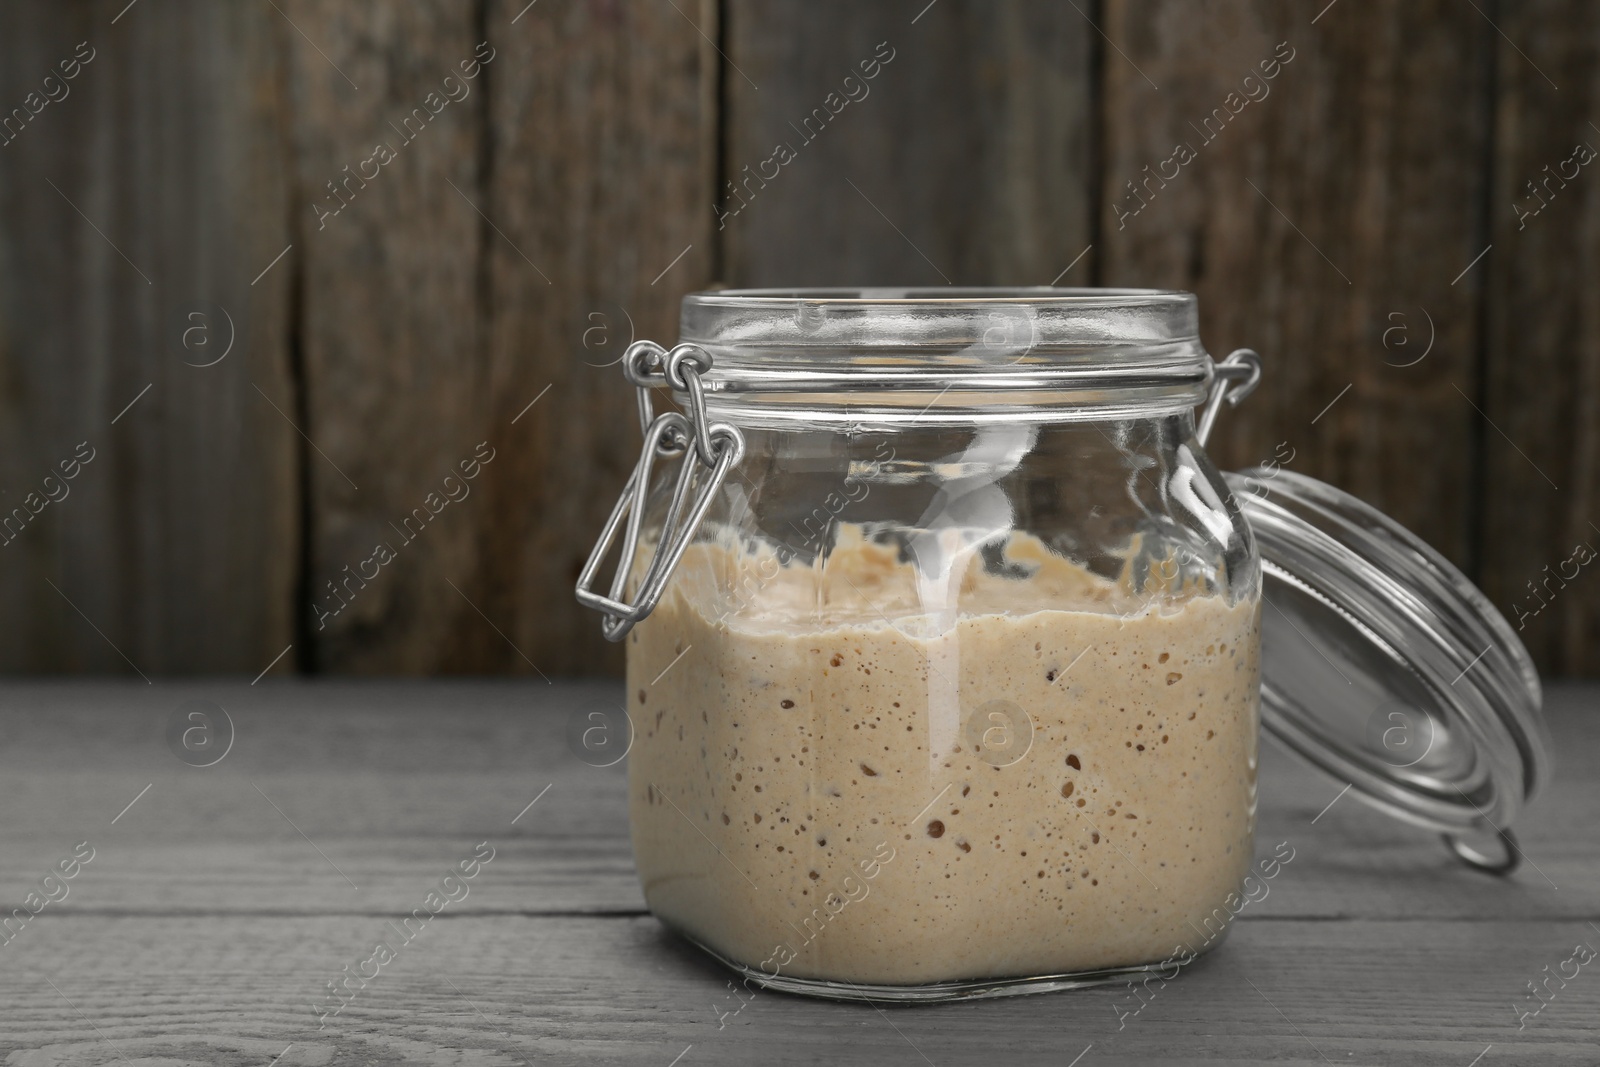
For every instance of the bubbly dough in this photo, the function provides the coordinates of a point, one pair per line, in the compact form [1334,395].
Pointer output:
[808,789]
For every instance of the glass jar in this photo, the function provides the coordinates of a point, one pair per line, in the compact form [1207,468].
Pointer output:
[944,640]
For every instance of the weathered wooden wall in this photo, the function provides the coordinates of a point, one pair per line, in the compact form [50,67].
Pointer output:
[1540,463]
[155,188]
[1362,217]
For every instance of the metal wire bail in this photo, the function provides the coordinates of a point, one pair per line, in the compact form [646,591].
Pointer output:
[1242,366]
[716,447]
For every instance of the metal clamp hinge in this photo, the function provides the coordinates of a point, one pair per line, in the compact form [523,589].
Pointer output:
[709,450]
[1236,378]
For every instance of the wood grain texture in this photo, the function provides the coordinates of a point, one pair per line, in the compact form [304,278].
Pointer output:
[462,287]
[524,990]
[206,927]
[1541,422]
[1322,224]
[521,236]
[135,211]
[602,133]
[966,159]
[395,379]
[396,780]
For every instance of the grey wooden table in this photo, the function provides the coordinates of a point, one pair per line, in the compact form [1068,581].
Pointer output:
[220,901]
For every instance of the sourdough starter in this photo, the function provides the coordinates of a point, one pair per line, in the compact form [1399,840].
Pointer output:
[807,796]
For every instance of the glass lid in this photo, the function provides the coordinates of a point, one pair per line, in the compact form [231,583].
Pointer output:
[1385,667]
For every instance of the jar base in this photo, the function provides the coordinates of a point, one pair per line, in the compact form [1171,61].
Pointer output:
[933,992]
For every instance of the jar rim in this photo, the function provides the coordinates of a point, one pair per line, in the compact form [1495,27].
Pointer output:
[924,353]
[916,317]
[944,296]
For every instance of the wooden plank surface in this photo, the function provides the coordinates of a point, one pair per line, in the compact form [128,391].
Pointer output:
[1541,423]
[965,158]
[374,775]
[395,388]
[137,209]
[531,990]
[562,186]
[1322,219]
[603,135]
[562,205]
[216,907]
